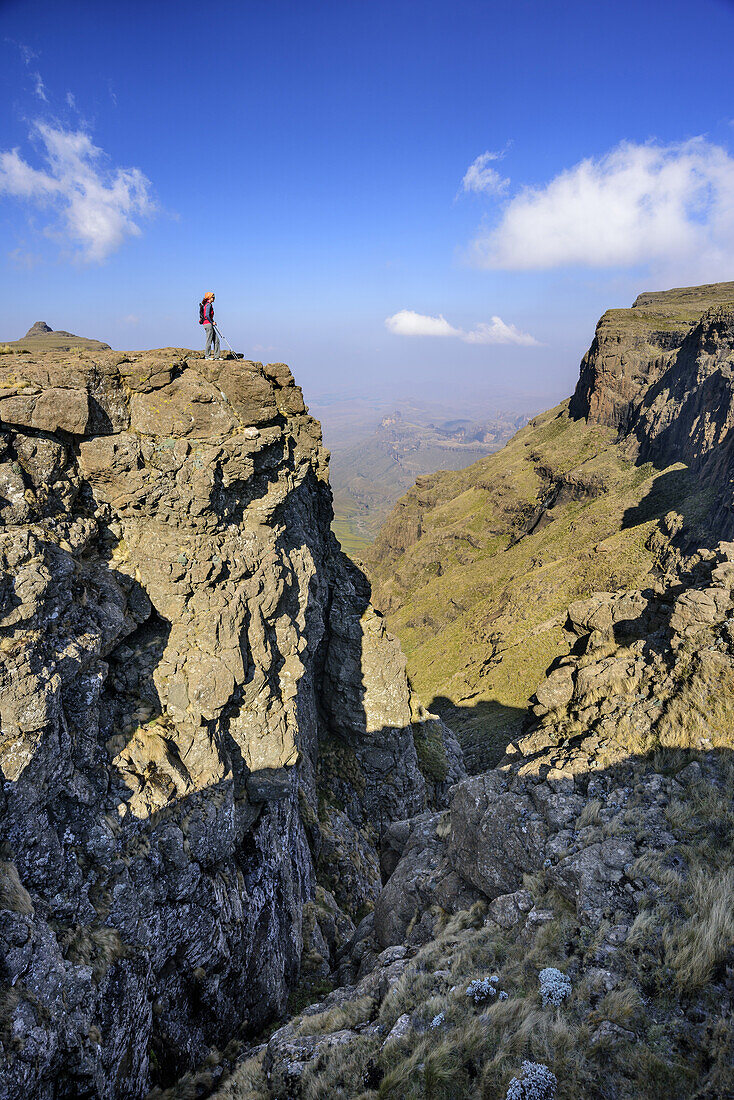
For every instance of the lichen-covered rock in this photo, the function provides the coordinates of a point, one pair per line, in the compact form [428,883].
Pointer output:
[497,834]
[186,660]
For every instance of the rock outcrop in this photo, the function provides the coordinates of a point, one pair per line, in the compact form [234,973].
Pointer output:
[203,724]
[661,372]
[632,348]
[41,337]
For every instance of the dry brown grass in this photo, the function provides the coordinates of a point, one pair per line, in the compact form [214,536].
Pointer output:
[248,1082]
[337,1018]
[590,815]
[13,894]
[701,713]
[98,947]
[695,947]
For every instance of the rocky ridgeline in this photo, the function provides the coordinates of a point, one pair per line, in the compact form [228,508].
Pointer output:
[204,726]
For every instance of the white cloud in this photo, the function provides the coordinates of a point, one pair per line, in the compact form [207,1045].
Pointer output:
[24,260]
[498,332]
[479,177]
[408,323]
[638,204]
[92,206]
[28,56]
[131,319]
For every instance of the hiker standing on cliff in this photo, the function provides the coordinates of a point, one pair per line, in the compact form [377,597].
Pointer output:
[206,318]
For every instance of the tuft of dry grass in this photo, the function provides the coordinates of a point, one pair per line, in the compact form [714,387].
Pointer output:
[701,712]
[98,947]
[590,815]
[696,946]
[248,1082]
[13,894]
[338,1017]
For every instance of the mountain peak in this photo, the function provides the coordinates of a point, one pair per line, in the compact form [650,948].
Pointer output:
[40,328]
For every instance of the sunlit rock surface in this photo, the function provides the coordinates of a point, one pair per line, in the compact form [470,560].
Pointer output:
[196,698]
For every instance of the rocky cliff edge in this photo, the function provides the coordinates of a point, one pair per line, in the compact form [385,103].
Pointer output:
[204,726]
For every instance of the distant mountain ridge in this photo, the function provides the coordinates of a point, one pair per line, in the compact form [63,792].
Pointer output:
[41,337]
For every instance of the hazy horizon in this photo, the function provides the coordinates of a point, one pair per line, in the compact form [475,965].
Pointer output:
[392,199]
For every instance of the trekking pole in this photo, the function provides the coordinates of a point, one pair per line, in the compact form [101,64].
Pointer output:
[223,337]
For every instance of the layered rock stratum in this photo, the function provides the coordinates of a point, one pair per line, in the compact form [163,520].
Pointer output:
[204,726]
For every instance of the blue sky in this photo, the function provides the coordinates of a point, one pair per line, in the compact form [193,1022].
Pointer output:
[311,162]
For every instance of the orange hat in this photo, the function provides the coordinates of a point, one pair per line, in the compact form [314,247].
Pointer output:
[209,294]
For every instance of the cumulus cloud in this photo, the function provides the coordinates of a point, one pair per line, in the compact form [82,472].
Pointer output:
[93,206]
[498,332]
[408,323]
[638,204]
[480,177]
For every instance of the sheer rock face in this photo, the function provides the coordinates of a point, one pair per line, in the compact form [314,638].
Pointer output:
[661,372]
[180,637]
[633,348]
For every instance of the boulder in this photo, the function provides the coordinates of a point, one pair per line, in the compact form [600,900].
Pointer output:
[497,835]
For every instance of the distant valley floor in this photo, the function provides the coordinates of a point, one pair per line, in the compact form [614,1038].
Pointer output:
[377,453]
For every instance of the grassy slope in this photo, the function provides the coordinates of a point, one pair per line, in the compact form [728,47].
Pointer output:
[350,540]
[479,611]
[369,477]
